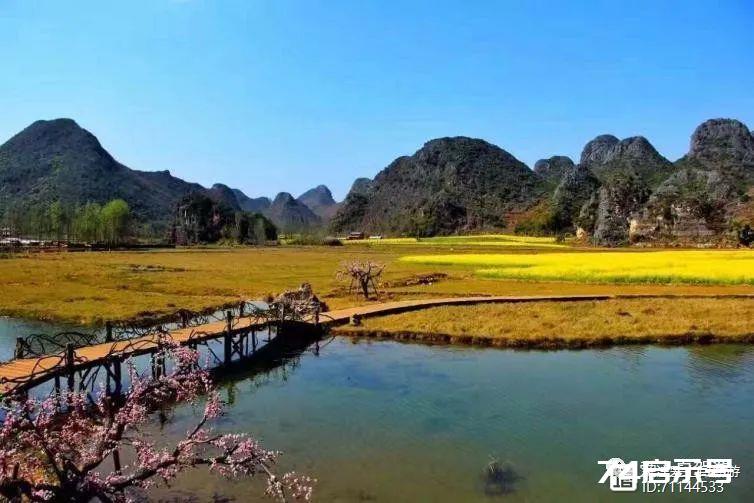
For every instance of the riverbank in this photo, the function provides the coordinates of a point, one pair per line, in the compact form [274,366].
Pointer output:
[570,325]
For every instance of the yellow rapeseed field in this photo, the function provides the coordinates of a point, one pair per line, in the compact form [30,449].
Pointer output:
[486,240]
[731,267]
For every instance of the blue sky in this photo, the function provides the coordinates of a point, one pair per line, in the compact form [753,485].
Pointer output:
[278,95]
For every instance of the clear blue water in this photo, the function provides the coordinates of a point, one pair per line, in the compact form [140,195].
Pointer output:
[11,328]
[386,421]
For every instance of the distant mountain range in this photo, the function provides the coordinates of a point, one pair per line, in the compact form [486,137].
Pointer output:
[57,160]
[619,191]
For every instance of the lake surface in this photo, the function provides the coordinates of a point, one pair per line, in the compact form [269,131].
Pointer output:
[11,328]
[387,421]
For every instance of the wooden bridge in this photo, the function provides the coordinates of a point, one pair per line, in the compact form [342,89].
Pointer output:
[240,335]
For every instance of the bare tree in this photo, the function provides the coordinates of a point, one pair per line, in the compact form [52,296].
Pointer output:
[363,276]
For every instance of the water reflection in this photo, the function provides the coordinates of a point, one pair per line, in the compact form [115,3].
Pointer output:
[384,421]
[395,422]
[715,364]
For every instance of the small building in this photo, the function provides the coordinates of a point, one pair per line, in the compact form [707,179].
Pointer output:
[352,236]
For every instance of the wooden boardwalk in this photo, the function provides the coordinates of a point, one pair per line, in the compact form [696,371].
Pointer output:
[24,373]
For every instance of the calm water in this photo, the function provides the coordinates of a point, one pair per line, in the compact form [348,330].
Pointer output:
[10,328]
[384,421]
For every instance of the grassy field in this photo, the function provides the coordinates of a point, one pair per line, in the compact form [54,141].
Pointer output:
[88,288]
[731,267]
[572,324]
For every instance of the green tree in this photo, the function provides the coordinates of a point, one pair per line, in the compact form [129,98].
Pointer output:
[115,217]
[57,218]
[87,222]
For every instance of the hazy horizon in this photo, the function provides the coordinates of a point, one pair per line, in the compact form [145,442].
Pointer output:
[284,96]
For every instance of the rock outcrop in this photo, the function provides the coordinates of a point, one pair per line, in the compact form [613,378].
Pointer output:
[320,201]
[552,170]
[724,145]
[290,215]
[576,188]
[450,185]
[618,199]
[606,155]
[708,191]
[223,194]
[253,205]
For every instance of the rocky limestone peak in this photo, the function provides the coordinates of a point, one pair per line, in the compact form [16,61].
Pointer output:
[552,170]
[284,198]
[636,147]
[256,205]
[361,185]
[440,152]
[606,157]
[291,215]
[726,141]
[450,185]
[557,163]
[598,150]
[221,193]
[320,201]
[45,139]
[318,196]
[607,148]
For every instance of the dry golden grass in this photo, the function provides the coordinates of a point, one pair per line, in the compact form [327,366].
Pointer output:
[572,324]
[93,287]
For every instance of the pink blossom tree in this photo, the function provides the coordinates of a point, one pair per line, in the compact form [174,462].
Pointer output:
[66,448]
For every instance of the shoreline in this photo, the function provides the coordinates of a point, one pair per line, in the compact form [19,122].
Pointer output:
[541,343]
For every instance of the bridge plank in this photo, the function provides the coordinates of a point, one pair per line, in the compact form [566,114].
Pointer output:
[20,373]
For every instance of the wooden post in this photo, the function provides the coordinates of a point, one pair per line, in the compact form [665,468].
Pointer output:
[228,345]
[157,365]
[108,331]
[355,320]
[117,377]
[108,392]
[69,361]
[116,460]
[19,352]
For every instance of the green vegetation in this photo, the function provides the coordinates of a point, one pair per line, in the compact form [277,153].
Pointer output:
[200,219]
[91,222]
